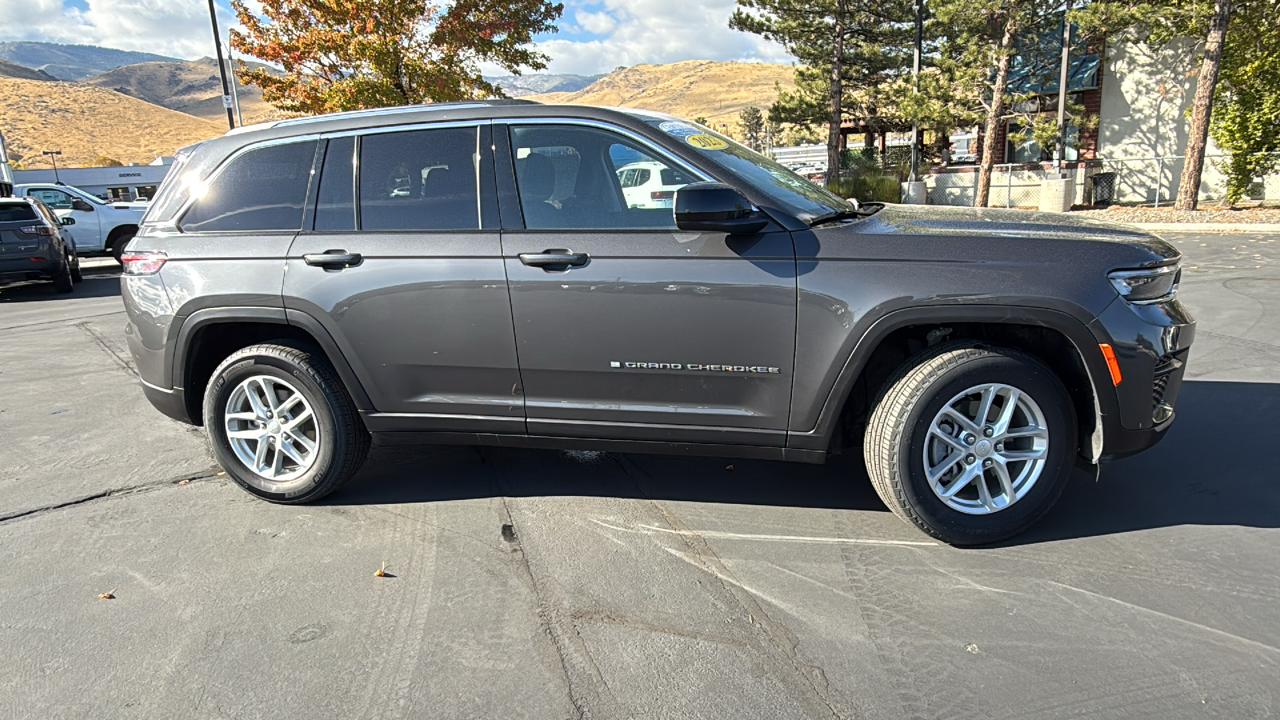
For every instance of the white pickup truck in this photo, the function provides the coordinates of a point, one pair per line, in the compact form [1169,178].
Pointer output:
[101,228]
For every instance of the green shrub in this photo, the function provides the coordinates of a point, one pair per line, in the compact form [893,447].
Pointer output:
[867,187]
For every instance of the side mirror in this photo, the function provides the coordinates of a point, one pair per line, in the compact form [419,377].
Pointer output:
[78,204]
[68,221]
[716,207]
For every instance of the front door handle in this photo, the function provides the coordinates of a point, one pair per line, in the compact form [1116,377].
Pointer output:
[555,259]
[332,259]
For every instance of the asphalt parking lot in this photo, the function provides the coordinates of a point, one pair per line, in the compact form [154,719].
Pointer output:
[550,584]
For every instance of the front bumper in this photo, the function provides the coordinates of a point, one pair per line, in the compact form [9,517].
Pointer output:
[1151,344]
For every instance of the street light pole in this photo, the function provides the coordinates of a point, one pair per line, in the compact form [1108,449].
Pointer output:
[915,76]
[1061,151]
[53,157]
[222,69]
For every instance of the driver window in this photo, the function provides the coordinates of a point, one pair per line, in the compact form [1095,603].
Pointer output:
[55,199]
[581,177]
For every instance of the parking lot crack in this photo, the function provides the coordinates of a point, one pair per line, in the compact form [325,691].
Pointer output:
[105,494]
[577,667]
[101,342]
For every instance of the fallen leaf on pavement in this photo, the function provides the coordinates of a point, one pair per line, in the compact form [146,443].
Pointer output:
[111,595]
[381,572]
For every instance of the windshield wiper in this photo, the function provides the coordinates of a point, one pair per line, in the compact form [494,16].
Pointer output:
[862,210]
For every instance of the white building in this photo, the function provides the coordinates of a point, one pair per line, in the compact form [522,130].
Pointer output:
[128,182]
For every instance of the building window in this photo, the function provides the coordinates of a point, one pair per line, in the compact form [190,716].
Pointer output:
[146,192]
[1020,149]
[118,194]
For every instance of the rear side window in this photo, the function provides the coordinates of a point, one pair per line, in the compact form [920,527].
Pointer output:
[335,203]
[263,189]
[13,212]
[420,180]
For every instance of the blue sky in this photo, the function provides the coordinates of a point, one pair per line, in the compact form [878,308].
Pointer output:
[595,35]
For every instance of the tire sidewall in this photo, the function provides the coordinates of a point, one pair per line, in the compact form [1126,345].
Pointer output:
[1047,391]
[221,386]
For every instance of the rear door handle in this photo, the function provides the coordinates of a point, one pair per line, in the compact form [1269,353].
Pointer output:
[331,259]
[555,259]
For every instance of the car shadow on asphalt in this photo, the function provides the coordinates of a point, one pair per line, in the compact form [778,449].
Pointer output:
[1215,467]
[98,283]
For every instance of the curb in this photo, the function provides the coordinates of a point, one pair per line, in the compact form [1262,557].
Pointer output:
[1209,227]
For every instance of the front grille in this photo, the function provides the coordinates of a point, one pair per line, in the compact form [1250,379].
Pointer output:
[1158,388]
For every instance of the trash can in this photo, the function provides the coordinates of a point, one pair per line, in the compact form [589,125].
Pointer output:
[1104,188]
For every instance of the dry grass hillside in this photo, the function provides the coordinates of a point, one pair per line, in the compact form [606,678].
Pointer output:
[85,122]
[13,70]
[715,90]
[190,87]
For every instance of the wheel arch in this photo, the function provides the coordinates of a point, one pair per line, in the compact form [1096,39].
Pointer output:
[1058,339]
[119,230]
[205,338]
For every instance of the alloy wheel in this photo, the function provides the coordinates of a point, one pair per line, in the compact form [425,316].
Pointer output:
[986,448]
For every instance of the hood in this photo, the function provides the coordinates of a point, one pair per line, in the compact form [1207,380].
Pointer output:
[943,220]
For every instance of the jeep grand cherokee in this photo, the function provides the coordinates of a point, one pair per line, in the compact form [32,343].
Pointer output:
[473,273]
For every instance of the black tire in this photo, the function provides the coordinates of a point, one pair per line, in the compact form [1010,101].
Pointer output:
[76,274]
[343,440]
[117,245]
[62,280]
[894,444]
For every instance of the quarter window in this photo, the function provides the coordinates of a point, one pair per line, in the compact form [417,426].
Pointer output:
[420,180]
[571,176]
[263,189]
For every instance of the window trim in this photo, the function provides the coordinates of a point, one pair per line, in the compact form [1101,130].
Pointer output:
[213,175]
[477,124]
[658,154]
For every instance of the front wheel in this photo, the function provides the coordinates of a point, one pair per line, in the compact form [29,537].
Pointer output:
[970,444]
[282,425]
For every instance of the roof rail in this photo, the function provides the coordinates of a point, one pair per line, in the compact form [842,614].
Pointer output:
[425,107]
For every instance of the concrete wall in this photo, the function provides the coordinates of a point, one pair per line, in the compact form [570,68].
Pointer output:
[1145,96]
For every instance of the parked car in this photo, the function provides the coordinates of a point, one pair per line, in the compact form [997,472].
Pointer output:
[34,245]
[102,228]
[299,310]
[650,184]
[6,170]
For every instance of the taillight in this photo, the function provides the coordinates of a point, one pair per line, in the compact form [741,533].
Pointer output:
[662,194]
[37,230]
[142,263]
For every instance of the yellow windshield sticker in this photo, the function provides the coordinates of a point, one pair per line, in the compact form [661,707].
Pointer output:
[706,142]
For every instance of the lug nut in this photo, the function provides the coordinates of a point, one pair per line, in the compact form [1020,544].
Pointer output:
[987,463]
[969,439]
[999,447]
[969,459]
[988,432]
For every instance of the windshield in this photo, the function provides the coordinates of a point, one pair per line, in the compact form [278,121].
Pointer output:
[792,192]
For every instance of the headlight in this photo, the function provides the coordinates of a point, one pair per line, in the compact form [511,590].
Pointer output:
[1144,287]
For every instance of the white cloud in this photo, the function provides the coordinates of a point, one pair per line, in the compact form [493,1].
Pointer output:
[631,32]
[657,31]
[179,28]
[596,23]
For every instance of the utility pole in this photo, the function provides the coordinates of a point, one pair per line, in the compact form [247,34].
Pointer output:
[915,78]
[222,69]
[53,157]
[235,93]
[1060,152]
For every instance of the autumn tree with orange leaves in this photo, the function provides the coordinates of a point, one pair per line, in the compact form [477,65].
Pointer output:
[352,54]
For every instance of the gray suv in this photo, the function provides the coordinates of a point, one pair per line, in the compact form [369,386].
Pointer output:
[475,273]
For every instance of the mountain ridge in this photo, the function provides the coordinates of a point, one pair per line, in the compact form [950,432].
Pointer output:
[72,62]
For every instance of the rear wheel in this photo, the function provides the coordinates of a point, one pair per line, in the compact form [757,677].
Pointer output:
[282,425]
[117,245]
[972,445]
[76,274]
[62,279]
